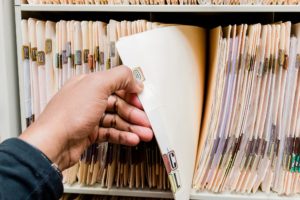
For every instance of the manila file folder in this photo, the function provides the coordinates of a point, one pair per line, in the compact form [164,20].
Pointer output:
[171,63]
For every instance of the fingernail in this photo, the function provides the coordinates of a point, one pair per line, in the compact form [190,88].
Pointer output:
[133,139]
[139,77]
[140,84]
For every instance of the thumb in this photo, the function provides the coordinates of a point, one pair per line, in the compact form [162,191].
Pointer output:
[120,78]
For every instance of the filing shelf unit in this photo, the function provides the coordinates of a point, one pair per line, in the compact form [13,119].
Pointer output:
[161,13]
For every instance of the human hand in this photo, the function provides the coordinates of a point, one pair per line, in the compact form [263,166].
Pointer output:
[70,121]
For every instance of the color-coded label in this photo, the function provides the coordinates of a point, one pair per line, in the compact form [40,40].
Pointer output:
[175,181]
[57,60]
[33,54]
[101,58]
[77,59]
[90,62]
[297,167]
[108,63]
[112,49]
[64,57]
[96,54]
[171,166]
[48,46]
[298,61]
[85,55]
[293,163]
[40,57]
[25,52]
[138,74]
[68,49]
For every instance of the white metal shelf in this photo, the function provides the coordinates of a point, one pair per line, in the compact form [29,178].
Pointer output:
[203,195]
[96,189]
[235,196]
[160,8]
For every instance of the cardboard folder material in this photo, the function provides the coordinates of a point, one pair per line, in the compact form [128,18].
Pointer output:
[172,62]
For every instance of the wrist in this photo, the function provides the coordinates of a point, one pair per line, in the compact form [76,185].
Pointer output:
[37,136]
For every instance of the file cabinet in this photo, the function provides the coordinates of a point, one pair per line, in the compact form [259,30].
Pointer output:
[206,16]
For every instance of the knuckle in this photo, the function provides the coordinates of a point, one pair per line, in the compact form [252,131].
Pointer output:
[130,128]
[129,113]
[121,138]
[114,121]
[107,135]
[116,104]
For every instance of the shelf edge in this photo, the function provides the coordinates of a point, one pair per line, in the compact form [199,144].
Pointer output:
[161,8]
[97,190]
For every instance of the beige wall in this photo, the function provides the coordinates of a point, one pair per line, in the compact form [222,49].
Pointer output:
[9,106]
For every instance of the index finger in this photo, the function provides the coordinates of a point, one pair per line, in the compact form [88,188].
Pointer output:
[130,98]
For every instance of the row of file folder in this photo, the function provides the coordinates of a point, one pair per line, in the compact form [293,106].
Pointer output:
[169,2]
[55,52]
[120,166]
[250,135]
[250,129]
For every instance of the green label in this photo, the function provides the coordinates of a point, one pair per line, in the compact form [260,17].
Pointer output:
[297,167]
[293,163]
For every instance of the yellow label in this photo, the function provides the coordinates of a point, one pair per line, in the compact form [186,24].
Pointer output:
[281,58]
[48,46]
[175,181]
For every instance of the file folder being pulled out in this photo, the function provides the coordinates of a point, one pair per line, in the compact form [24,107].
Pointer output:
[171,62]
